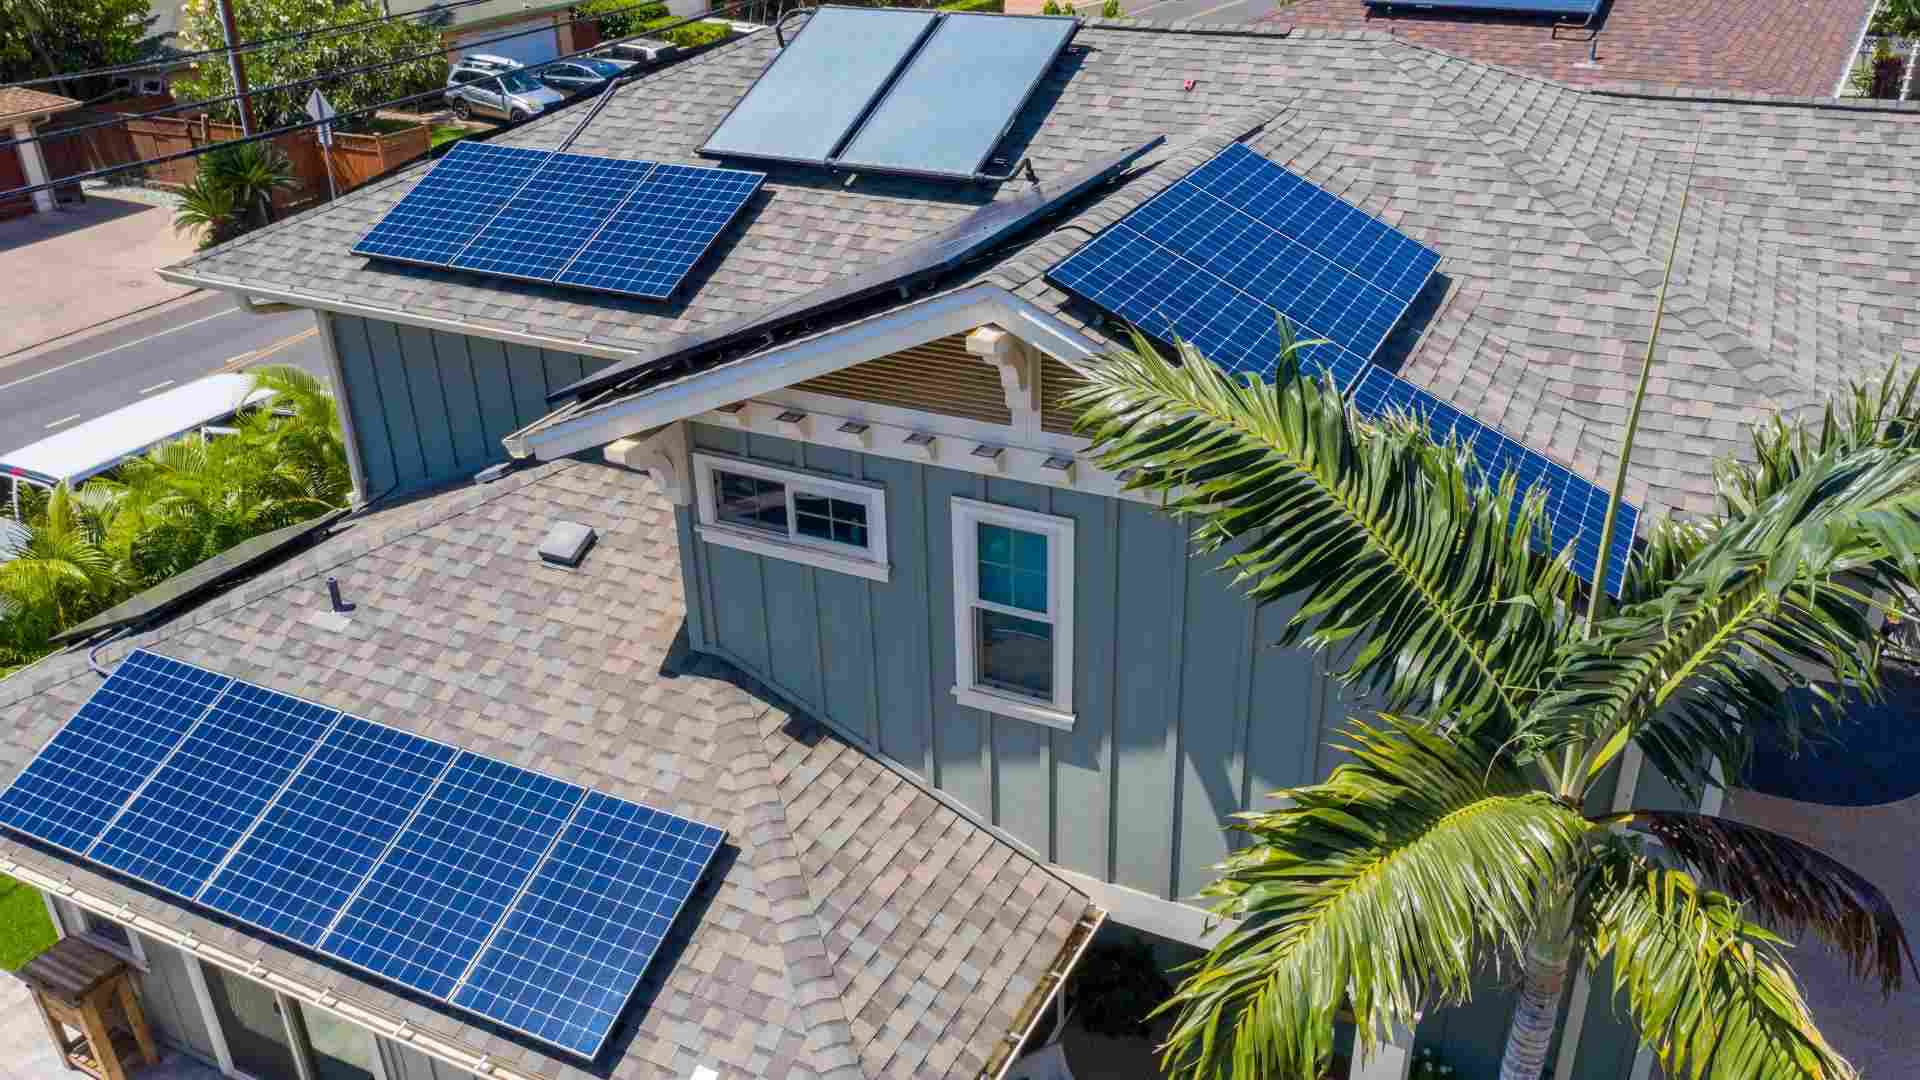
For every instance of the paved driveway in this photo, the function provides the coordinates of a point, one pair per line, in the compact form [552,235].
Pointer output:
[81,266]
[26,1053]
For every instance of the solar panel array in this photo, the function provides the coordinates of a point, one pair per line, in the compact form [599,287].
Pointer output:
[1221,254]
[918,92]
[631,227]
[1584,9]
[526,900]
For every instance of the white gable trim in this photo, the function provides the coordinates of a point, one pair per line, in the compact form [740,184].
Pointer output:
[954,313]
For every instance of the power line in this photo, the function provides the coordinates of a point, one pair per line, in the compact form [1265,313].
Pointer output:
[177,59]
[297,84]
[67,181]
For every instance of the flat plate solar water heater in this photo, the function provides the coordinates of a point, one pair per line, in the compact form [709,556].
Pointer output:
[1218,256]
[528,901]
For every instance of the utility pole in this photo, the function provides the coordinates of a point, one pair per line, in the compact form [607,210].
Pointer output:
[236,67]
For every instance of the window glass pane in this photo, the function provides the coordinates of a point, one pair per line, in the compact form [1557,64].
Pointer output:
[825,518]
[1015,654]
[750,501]
[1013,567]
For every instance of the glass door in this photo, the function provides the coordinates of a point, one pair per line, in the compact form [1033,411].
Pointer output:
[250,1018]
[339,1050]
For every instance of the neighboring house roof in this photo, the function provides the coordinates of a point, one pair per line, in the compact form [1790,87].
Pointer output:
[20,103]
[1792,47]
[859,928]
[1550,206]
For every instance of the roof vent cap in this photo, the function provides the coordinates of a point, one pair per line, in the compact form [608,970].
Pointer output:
[567,543]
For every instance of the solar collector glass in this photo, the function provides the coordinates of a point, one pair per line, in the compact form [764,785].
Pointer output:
[304,859]
[815,90]
[198,804]
[90,768]
[959,95]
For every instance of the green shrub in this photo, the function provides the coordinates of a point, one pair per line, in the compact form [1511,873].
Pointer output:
[690,36]
[1110,10]
[619,18]
[992,7]
[1050,9]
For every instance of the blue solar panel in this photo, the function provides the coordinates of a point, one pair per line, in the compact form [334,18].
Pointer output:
[200,802]
[1259,231]
[449,205]
[88,770]
[568,957]
[653,240]
[1575,506]
[432,902]
[304,859]
[554,215]
[1169,297]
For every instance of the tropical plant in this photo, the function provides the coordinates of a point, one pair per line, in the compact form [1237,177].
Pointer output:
[207,206]
[252,172]
[1110,9]
[41,38]
[1470,825]
[56,575]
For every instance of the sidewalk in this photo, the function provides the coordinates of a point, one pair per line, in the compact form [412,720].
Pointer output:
[83,265]
[26,1053]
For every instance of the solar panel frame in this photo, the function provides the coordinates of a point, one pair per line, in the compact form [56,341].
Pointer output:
[605,831]
[452,203]
[552,217]
[55,765]
[789,82]
[205,798]
[296,882]
[402,904]
[679,210]
[961,62]
[1575,505]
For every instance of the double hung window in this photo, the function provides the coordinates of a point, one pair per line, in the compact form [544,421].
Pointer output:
[1013,612]
[833,524]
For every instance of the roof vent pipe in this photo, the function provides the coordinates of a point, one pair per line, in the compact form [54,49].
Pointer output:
[333,596]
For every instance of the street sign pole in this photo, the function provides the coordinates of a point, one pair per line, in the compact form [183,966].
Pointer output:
[321,109]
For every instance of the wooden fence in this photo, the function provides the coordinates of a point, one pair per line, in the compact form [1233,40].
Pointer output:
[355,159]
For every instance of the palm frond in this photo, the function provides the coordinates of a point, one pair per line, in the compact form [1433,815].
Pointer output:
[1424,584]
[1772,601]
[1794,888]
[1380,887]
[1708,990]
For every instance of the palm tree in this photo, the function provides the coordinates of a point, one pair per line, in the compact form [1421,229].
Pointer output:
[57,575]
[252,172]
[206,206]
[1469,825]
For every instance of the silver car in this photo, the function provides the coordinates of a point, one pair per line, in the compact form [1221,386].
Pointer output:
[633,53]
[513,96]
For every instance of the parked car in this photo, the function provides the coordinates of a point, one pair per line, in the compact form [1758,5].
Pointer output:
[489,62]
[581,75]
[629,54]
[512,95]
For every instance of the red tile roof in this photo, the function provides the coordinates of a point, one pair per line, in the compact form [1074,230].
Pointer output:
[1797,47]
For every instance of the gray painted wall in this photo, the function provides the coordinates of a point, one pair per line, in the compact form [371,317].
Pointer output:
[166,994]
[429,407]
[1184,715]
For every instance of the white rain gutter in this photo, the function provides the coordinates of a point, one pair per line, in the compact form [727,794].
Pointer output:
[400,1031]
[1859,42]
[953,313]
[1053,992]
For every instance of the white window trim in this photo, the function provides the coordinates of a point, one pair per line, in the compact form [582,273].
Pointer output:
[823,554]
[967,515]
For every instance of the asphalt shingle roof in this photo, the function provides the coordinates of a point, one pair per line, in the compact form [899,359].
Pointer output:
[1795,47]
[1551,207]
[855,927]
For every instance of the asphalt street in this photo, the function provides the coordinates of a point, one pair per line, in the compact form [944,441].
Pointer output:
[50,388]
[1198,10]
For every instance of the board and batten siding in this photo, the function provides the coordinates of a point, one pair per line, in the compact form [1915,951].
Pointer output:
[429,407]
[1185,713]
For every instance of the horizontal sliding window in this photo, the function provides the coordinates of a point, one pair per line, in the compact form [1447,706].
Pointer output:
[784,513]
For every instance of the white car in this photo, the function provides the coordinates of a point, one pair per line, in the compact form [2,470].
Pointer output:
[512,95]
[635,53]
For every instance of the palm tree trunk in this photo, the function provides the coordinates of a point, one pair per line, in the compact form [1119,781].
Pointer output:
[1536,1016]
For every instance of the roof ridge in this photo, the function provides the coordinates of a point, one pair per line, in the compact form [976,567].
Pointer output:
[1683,306]
[784,884]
